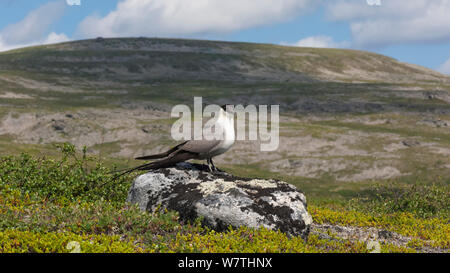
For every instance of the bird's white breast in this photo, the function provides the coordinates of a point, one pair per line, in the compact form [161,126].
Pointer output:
[227,124]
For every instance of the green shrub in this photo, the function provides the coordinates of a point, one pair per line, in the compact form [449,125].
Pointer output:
[423,200]
[72,177]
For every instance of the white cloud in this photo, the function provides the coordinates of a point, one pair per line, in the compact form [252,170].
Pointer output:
[318,41]
[33,29]
[34,25]
[445,67]
[394,22]
[52,38]
[188,18]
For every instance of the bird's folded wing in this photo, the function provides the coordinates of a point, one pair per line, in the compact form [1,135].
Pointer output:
[199,146]
[161,155]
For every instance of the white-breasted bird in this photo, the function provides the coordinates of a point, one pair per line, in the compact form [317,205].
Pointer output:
[194,149]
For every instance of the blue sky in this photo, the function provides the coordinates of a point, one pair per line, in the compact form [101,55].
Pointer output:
[414,31]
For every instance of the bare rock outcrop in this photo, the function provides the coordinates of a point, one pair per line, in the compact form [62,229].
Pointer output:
[222,199]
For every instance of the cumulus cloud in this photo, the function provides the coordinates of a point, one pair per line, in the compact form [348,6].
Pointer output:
[188,18]
[33,29]
[394,21]
[318,41]
[54,38]
[51,38]
[445,67]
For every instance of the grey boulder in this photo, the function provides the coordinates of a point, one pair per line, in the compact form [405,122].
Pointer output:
[222,199]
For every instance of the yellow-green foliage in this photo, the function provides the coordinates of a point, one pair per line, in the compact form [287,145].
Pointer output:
[434,232]
[28,225]
[247,240]
[37,217]
[14,241]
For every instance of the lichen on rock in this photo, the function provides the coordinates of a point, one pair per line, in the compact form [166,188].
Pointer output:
[223,200]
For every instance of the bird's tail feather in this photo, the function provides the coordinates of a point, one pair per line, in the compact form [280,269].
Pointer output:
[127,171]
[148,157]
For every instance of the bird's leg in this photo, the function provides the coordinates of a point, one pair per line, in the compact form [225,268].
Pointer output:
[209,161]
[214,167]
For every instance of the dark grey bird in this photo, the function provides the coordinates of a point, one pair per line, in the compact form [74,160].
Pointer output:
[193,149]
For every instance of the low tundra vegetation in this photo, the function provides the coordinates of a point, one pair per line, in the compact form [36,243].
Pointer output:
[71,204]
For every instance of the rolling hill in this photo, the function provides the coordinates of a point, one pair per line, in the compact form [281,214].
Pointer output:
[114,96]
[174,59]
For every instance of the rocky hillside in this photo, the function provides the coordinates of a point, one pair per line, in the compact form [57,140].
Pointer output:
[347,116]
[164,59]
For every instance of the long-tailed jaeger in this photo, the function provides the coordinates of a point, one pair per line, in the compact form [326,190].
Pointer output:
[194,149]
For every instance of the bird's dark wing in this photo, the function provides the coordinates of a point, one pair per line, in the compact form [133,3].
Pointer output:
[172,160]
[187,150]
[161,155]
[199,146]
